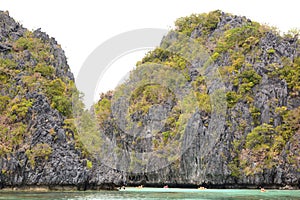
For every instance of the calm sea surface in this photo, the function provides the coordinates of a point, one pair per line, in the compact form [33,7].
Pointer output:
[154,194]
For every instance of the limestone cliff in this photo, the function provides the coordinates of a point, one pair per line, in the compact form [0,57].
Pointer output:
[217,104]
[252,141]
[38,146]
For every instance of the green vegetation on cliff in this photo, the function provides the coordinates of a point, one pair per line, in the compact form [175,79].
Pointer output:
[260,70]
[169,111]
[29,67]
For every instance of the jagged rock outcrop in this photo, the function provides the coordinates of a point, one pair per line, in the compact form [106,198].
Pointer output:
[38,147]
[256,145]
[217,104]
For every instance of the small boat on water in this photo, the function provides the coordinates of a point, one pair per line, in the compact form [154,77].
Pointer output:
[121,188]
[140,187]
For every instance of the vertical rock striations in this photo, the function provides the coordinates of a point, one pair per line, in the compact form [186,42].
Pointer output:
[256,145]
[217,105]
[38,146]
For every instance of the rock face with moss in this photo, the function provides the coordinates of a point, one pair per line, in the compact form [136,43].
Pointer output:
[258,145]
[156,130]
[39,145]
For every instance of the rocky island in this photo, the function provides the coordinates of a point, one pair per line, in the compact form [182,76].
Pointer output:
[229,119]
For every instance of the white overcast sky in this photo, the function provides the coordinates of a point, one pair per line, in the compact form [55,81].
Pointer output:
[81,26]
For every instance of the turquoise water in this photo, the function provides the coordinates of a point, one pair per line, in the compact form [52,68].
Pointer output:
[154,194]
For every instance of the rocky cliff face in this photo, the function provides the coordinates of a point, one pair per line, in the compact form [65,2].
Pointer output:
[38,146]
[217,104]
[253,143]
